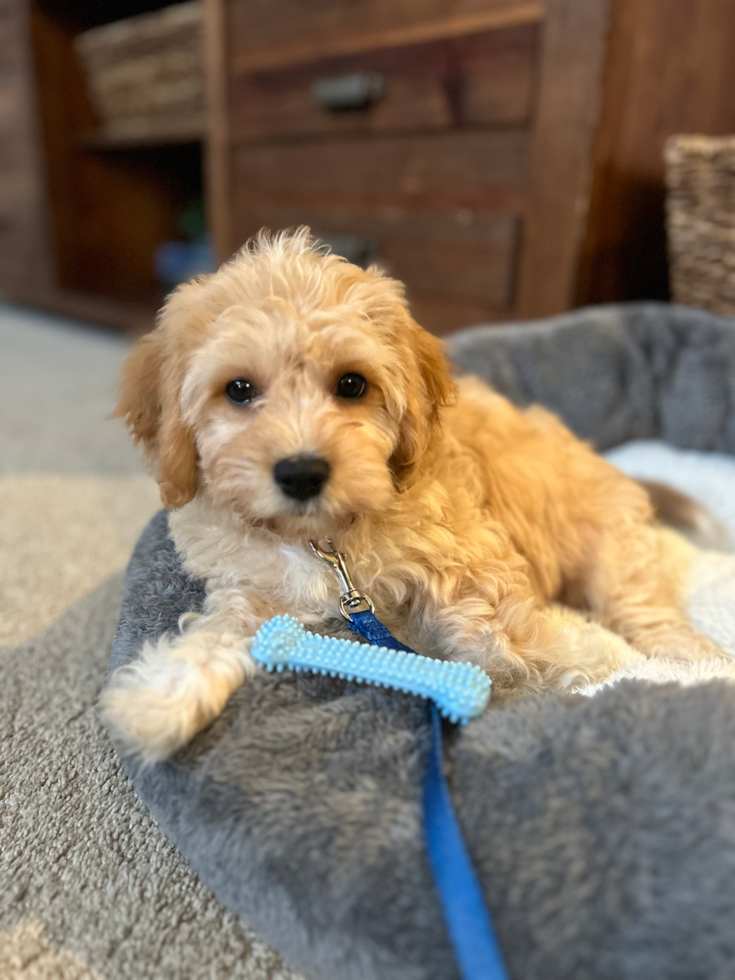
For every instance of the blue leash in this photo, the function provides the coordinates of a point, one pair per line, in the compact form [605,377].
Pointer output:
[467,916]
[458,690]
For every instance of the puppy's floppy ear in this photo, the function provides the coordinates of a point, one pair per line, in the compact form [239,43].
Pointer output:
[429,387]
[138,402]
[434,370]
[178,459]
[149,402]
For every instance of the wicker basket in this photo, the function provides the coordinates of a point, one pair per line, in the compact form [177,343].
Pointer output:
[146,73]
[701,221]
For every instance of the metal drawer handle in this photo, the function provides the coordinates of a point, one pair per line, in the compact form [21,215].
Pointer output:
[356,91]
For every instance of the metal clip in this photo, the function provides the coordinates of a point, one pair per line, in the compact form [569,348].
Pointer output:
[351,600]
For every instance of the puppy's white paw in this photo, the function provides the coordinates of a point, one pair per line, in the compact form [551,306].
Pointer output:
[174,690]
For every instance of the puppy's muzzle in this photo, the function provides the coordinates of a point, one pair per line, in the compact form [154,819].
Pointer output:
[301,477]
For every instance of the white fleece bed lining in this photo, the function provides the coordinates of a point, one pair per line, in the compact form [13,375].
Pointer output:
[708,478]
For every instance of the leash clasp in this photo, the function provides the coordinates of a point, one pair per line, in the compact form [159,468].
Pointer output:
[351,600]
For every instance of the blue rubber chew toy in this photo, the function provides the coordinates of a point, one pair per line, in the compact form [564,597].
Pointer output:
[460,690]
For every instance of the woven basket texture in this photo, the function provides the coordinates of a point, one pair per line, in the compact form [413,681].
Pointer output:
[146,73]
[700,175]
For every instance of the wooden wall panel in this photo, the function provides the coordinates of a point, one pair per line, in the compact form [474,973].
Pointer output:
[12,37]
[24,256]
[670,69]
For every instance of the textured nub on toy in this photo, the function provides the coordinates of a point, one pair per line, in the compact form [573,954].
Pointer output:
[461,691]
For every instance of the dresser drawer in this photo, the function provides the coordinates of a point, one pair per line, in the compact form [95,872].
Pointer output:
[462,257]
[482,171]
[484,79]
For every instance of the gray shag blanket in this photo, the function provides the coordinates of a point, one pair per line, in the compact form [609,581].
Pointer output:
[603,829]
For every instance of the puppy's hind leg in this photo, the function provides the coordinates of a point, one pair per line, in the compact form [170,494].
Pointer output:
[565,652]
[175,688]
[636,588]
[526,647]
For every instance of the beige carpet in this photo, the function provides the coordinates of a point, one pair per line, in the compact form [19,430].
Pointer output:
[89,886]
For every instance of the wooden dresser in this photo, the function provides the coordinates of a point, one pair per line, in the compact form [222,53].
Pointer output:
[448,140]
[502,157]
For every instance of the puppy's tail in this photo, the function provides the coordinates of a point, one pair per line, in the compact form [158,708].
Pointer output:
[686,516]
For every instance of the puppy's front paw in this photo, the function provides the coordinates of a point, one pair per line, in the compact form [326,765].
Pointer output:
[174,690]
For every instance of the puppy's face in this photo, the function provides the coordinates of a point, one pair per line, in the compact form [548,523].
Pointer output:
[293,415]
[291,388]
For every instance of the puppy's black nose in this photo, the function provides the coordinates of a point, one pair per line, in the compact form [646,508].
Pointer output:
[301,477]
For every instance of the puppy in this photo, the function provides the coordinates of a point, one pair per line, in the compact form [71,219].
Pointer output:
[290,396]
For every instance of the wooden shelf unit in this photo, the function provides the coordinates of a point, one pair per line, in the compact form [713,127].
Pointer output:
[101,204]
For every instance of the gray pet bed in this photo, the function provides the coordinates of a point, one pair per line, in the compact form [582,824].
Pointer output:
[603,829]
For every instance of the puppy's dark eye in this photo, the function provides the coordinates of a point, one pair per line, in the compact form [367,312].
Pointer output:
[241,391]
[351,386]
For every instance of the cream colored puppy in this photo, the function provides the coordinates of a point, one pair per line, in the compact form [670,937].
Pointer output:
[291,396]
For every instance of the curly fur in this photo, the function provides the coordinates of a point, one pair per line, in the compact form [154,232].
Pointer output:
[464,516]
